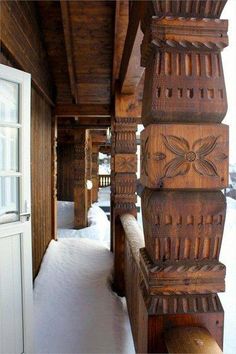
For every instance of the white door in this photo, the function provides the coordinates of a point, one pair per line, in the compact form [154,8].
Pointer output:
[16,295]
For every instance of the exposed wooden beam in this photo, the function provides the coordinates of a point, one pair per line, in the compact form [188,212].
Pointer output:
[128,106]
[65,13]
[120,30]
[83,110]
[130,69]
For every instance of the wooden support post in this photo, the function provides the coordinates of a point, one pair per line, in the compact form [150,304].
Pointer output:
[89,168]
[95,177]
[123,179]
[183,168]
[80,165]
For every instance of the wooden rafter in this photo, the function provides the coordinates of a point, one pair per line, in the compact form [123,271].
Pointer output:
[130,69]
[65,13]
[82,110]
[120,30]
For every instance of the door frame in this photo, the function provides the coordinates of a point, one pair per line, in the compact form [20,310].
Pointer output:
[23,225]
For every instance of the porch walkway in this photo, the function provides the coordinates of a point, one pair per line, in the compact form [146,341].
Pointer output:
[75,309]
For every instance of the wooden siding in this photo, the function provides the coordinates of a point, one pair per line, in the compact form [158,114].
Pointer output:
[23,49]
[65,180]
[20,36]
[41,177]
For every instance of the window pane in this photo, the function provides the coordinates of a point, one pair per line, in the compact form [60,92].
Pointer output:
[9,199]
[9,99]
[9,149]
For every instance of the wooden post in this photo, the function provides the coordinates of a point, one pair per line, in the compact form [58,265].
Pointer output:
[89,168]
[184,165]
[123,178]
[95,177]
[80,165]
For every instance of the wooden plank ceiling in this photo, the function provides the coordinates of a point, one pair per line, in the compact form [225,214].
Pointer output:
[79,38]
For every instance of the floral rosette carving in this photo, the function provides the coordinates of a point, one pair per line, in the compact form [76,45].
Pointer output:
[186,156]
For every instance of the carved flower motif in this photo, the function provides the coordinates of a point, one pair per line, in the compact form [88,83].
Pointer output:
[145,156]
[186,156]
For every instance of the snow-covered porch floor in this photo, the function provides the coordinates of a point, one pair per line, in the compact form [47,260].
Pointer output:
[75,309]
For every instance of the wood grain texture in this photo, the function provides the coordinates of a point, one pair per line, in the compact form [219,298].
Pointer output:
[185,156]
[184,80]
[183,225]
[65,169]
[191,340]
[182,277]
[21,37]
[80,167]
[41,177]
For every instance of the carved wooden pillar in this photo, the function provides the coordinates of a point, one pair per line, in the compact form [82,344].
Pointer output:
[89,168]
[80,166]
[95,177]
[123,179]
[184,166]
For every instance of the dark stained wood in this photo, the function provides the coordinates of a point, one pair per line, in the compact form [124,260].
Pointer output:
[191,340]
[80,192]
[82,110]
[21,38]
[66,15]
[120,30]
[130,69]
[52,30]
[65,171]
[41,178]
[93,49]
[95,167]
[123,178]
[54,176]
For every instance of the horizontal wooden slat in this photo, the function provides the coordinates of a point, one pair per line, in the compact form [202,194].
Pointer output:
[81,110]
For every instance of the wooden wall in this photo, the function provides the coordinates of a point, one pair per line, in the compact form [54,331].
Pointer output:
[65,172]
[41,177]
[23,49]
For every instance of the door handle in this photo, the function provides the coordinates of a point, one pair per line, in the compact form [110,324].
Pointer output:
[25,215]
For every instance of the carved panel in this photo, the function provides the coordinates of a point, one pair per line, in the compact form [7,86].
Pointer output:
[125,184]
[183,225]
[125,135]
[184,78]
[182,277]
[187,9]
[184,157]
[125,163]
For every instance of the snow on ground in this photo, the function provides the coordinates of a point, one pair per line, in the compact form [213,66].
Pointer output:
[98,229]
[75,309]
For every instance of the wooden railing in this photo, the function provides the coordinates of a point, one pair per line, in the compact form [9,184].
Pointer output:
[192,338]
[104,181]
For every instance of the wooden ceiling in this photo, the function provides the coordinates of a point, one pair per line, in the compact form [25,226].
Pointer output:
[93,47]
[79,37]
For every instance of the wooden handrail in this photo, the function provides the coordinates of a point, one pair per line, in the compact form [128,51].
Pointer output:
[134,234]
[191,340]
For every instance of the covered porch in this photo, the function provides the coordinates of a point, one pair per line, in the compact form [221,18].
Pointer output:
[142,83]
